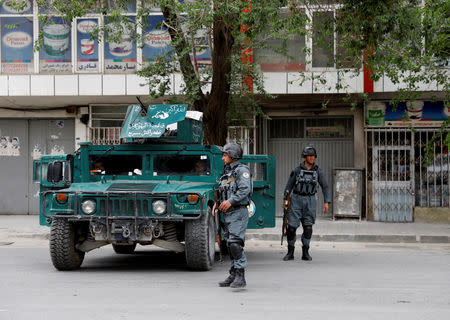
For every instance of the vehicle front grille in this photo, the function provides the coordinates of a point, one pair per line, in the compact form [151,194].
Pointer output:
[125,207]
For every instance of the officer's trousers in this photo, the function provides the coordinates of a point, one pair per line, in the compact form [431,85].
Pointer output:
[302,210]
[235,225]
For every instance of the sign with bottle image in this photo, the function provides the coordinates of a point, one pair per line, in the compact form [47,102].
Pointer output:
[416,113]
[120,55]
[55,55]
[87,47]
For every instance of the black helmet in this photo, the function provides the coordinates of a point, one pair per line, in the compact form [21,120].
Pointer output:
[309,151]
[233,150]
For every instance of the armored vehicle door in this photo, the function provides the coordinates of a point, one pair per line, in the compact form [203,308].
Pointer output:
[262,207]
[53,171]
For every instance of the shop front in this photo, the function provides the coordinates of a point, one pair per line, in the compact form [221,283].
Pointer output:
[407,159]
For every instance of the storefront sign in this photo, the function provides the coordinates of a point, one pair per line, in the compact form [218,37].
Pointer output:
[120,56]
[325,132]
[17,45]
[87,48]
[156,39]
[417,114]
[56,57]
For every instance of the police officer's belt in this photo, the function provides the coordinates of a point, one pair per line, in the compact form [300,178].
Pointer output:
[302,194]
[233,208]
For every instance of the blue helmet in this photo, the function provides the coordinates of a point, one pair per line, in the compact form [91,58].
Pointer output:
[233,150]
[309,151]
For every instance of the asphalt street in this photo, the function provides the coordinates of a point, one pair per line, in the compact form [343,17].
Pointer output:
[344,281]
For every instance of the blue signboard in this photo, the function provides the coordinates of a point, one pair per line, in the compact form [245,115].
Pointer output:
[17,45]
[417,113]
[121,56]
[56,53]
[156,39]
[8,7]
[87,47]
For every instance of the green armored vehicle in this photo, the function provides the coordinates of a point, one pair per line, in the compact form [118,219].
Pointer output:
[156,188]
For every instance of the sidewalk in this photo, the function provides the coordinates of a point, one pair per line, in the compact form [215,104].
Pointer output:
[27,226]
[364,231]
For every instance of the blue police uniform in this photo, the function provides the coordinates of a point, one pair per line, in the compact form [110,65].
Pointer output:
[236,186]
[303,185]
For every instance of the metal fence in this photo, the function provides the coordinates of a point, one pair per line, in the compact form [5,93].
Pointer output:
[104,135]
[399,176]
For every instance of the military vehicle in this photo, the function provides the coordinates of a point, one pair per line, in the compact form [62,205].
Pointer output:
[155,188]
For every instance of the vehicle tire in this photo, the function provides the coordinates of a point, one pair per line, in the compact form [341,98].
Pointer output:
[200,237]
[124,248]
[64,236]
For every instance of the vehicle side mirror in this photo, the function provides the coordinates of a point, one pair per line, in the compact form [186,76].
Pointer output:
[55,172]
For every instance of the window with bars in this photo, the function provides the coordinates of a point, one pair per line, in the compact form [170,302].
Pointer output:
[389,155]
[105,124]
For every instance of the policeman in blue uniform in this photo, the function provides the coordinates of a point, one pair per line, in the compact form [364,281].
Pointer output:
[302,185]
[235,190]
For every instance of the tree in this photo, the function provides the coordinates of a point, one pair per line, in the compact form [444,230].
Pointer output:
[405,40]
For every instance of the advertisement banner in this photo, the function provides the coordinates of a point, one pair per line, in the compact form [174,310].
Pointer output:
[7,7]
[120,56]
[417,113]
[17,45]
[56,54]
[87,47]
[156,39]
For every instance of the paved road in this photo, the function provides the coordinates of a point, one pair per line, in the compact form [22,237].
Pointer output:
[344,281]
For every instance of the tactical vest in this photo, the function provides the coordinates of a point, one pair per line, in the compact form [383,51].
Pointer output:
[228,184]
[306,182]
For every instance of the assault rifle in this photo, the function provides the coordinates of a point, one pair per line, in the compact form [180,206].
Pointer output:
[218,226]
[286,205]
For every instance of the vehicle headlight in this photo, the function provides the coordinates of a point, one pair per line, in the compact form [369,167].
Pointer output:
[159,206]
[88,206]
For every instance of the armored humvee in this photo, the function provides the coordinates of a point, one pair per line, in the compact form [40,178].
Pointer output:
[155,188]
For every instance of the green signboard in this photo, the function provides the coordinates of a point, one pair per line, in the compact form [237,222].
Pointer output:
[153,123]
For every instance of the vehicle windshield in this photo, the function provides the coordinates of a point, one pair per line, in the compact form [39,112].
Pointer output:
[115,165]
[181,165]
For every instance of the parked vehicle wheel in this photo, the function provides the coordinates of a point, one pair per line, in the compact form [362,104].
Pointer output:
[124,248]
[64,236]
[200,237]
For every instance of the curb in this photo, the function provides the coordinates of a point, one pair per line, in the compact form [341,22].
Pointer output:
[359,238]
[324,237]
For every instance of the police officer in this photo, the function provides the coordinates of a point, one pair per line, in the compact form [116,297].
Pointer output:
[303,183]
[235,190]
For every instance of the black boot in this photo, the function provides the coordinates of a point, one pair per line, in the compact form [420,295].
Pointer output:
[290,253]
[305,253]
[239,280]
[229,279]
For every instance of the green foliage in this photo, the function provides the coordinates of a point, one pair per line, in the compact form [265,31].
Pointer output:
[399,39]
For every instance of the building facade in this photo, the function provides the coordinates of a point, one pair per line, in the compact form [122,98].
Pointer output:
[76,89]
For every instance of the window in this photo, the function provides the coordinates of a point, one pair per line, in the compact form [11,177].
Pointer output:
[115,164]
[270,60]
[258,170]
[286,128]
[323,39]
[106,123]
[181,165]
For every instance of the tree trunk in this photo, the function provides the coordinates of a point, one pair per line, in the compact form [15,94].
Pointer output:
[215,114]
[214,105]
